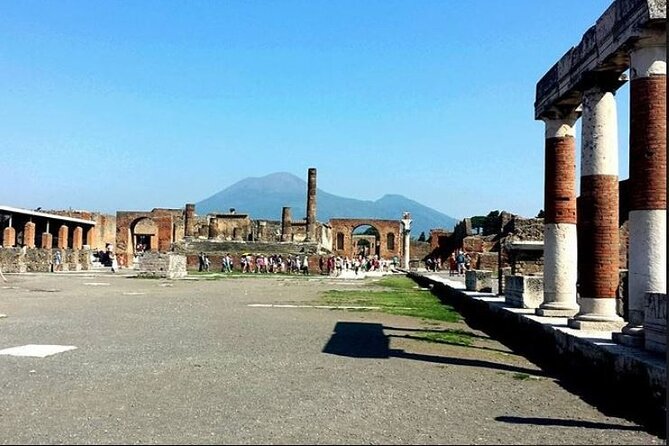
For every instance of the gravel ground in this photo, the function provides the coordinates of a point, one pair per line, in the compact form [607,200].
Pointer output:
[194,362]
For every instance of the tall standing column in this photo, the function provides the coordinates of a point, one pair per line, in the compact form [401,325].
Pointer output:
[648,179]
[311,205]
[598,240]
[29,235]
[406,231]
[189,223]
[63,237]
[560,241]
[286,225]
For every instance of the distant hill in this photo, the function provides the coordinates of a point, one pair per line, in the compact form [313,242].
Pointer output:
[264,197]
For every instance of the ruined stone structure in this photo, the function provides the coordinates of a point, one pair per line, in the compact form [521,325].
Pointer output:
[386,245]
[33,229]
[156,230]
[629,35]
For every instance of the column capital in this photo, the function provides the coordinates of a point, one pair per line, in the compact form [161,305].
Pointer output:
[605,81]
[648,56]
[560,121]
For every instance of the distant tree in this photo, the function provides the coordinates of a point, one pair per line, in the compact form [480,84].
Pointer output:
[540,214]
[477,223]
[421,237]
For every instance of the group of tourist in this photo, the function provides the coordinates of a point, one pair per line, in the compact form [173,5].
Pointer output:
[458,262]
[276,263]
[336,265]
[297,264]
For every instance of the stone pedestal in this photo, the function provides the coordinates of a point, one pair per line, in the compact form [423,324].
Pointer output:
[655,322]
[165,265]
[524,291]
[478,280]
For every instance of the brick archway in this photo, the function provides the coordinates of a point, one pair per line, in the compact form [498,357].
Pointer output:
[389,236]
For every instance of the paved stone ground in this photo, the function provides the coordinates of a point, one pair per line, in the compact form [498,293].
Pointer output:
[191,362]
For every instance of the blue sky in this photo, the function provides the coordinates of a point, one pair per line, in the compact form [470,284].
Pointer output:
[131,105]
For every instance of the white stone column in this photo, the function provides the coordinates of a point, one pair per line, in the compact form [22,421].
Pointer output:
[598,243]
[648,210]
[406,231]
[560,240]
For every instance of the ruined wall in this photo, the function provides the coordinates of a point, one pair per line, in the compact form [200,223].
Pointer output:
[27,260]
[161,241]
[345,227]
[230,227]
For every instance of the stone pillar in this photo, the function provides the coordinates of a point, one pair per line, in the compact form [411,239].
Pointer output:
[29,235]
[8,237]
[189,220]
[213,228]
[598,240]
[560,241]
[406,231]
[286,225]
[647,178]
[47,240]
[63,237]
[91,237]
[311,205]
[77,237]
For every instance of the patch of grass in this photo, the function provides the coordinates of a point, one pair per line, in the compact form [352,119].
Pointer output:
[395,295]
[452,337]
[521,376]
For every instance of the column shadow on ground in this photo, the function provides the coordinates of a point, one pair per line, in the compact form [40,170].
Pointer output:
[367,340]
[566,423]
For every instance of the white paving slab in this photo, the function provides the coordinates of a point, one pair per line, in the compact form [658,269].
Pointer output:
[36,350]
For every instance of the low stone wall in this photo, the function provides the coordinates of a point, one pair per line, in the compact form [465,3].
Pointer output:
[620,381]
[164,265]
[34,260]
[524,291]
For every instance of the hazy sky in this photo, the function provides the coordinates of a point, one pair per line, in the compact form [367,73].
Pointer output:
[131,105]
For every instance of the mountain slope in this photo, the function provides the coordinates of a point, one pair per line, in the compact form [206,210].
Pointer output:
[264,198]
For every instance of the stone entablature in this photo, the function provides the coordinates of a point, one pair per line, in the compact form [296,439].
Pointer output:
[605,44]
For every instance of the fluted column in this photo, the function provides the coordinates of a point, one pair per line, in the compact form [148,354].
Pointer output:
[598,239]
[648,178]
[560,241]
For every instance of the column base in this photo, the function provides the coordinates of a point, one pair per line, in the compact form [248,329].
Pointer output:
[555,312]
[590,325]
[597,314]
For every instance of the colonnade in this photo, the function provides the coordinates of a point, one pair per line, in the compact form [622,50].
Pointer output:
[581,246]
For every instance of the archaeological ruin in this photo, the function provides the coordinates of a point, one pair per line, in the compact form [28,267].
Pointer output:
[582,240]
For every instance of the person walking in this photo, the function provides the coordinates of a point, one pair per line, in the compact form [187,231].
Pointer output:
[57,261]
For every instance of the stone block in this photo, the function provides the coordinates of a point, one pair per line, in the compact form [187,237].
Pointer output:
[524,291]
[655,322]
[478,280]
[164,265]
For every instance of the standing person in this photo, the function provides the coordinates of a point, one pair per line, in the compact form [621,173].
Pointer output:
[460,260]
[207,263]
[305,265]
[114,263]
[57,261]
[200,259]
